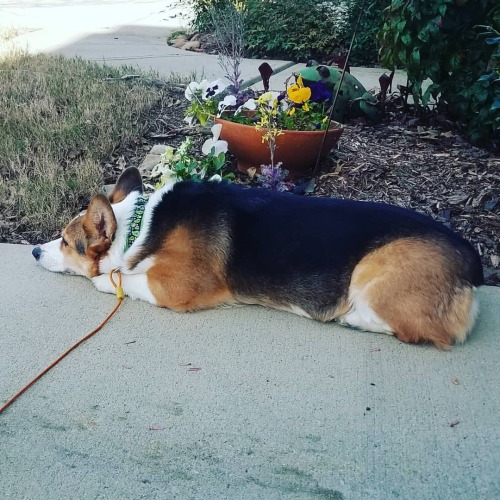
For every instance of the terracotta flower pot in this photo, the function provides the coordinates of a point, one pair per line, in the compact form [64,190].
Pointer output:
[296,150]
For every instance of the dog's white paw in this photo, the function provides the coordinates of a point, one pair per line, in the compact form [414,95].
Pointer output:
[103,283]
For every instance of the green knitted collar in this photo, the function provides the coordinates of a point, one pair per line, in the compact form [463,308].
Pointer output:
[135,222]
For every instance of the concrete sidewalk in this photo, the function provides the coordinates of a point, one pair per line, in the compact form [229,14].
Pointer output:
[241,402]
[231,403]
[133,34]
[116,33]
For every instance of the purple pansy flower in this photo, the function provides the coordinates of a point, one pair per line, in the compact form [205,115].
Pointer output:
[319,92]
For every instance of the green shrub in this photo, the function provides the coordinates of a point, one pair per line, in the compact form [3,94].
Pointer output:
[289,29]
[202,9]
[294,29]
[302,29]
[365,49]
[444,41]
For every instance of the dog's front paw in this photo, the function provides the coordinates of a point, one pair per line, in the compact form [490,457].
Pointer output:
[103,283]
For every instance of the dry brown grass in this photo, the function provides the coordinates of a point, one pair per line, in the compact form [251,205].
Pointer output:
[58,119]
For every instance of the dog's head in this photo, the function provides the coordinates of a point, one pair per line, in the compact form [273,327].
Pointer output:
[88,237]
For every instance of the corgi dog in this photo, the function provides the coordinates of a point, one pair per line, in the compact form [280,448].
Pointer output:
[192,246]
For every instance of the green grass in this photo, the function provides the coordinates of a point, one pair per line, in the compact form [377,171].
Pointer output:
[59,119]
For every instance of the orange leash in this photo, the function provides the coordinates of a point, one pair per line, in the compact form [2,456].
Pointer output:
[119,295]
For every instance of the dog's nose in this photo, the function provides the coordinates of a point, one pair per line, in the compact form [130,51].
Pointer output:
[36,252]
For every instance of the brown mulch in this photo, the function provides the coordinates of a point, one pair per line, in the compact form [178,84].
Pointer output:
[433,171]
[438,174]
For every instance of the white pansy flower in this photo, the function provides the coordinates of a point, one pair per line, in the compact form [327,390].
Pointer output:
[229,100]
[269,98]
[214,142]
[194,87]
[213,89]
[251,104]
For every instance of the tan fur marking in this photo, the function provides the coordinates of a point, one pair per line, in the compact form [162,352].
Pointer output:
[413,286]
[75,236]
[117,195]
[129,180]
[462,314]
[188,273]
[89,237]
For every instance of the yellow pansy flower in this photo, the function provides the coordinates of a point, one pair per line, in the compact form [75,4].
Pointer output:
[298,93]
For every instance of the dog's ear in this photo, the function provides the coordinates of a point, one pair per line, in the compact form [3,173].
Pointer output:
[130,180]
[99,224]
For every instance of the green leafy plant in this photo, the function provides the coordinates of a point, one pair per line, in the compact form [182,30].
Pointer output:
[487,115]
[440,41]
[202,10]
[294,29]
[181,165]
[291,29]
[298,29]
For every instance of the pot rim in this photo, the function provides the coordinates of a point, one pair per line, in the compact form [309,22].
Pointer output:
[334,126]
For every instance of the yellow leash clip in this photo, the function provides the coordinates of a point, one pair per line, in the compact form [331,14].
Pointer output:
[120,295]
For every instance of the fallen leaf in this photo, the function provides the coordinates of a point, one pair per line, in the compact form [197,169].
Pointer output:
[251,172]
[447,134]
[454,423]
[429,134]
[156,427]
[456,199]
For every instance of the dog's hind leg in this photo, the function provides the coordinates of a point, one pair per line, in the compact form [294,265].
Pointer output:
[414,291]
